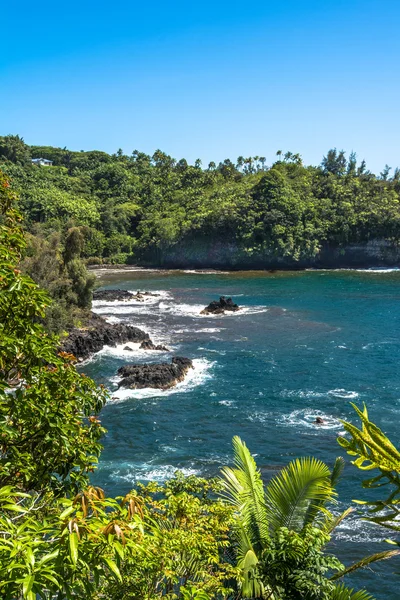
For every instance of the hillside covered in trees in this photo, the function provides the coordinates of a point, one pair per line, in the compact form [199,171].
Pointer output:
[160,211]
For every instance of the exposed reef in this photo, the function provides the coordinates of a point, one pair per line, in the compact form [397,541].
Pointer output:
[159,375]
[219,307]
[122,295]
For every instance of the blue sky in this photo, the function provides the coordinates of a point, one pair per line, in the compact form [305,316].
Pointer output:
[207,80]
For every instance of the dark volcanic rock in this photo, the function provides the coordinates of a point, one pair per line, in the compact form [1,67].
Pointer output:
[111,295]
[121,295]
[149,345]
[82,343]
[219,307]
[161,375]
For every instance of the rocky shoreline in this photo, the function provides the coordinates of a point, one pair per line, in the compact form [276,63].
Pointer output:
[122,295]
[84,342]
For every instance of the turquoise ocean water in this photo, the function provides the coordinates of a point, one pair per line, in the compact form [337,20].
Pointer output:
[306,344]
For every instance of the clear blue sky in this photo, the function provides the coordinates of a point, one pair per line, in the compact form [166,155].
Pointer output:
[204,79]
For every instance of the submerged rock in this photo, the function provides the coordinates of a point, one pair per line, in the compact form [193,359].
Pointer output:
[161,376]
[83,342]
[219,307]
[122,295]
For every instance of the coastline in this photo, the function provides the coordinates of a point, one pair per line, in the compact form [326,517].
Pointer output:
[373,268]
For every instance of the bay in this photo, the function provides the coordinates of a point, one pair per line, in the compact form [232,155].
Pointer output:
[306,344]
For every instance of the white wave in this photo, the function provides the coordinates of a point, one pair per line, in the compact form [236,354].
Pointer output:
[205,330]
[196,376]
[337,393]
[212,351]
[355,529]
[194,310]
[112,320]
[159,295]
[378,344]
[345,394]
[306,418]
[148,472]
[206,272]
[227,402]
[379,270]
[370,270]
[301,394]
[120,352]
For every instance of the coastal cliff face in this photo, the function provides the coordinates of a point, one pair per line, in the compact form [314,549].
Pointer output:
[217,254]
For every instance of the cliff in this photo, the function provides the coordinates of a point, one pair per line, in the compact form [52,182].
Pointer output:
[219,254]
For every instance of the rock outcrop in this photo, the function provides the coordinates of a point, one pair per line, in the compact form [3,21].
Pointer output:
[150,345]
[112,295]
[161,376]
[84,342]
[122,295]
[219,307]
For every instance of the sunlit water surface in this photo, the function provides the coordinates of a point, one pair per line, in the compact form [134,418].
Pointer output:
[306,344]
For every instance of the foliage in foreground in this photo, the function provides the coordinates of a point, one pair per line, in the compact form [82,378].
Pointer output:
[281,530]
[374,451]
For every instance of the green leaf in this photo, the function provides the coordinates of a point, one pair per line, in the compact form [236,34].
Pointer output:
[113,567]
[27,585]
[73,547]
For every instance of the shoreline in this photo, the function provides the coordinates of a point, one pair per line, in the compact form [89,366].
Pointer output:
[228,271]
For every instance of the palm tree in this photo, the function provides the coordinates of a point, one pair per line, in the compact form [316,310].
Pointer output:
[292,508]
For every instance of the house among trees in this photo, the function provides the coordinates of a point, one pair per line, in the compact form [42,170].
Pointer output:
[43,162]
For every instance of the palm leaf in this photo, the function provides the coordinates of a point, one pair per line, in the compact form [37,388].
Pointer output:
[298,494]
[243,488]
[364,562]
[337,470]
[334,521]
[341,592]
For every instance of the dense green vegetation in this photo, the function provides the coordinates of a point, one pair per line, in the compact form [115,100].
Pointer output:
[138,207]
[189,539]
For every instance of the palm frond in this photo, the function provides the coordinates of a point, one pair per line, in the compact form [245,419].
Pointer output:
[341,592]
[334,521]
[337,470]
[244,489]
[364,562]
[298,494]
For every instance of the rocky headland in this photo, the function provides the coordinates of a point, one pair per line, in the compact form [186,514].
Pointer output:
[159,375]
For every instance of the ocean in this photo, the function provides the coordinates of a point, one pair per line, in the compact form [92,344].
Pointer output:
[305,344]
